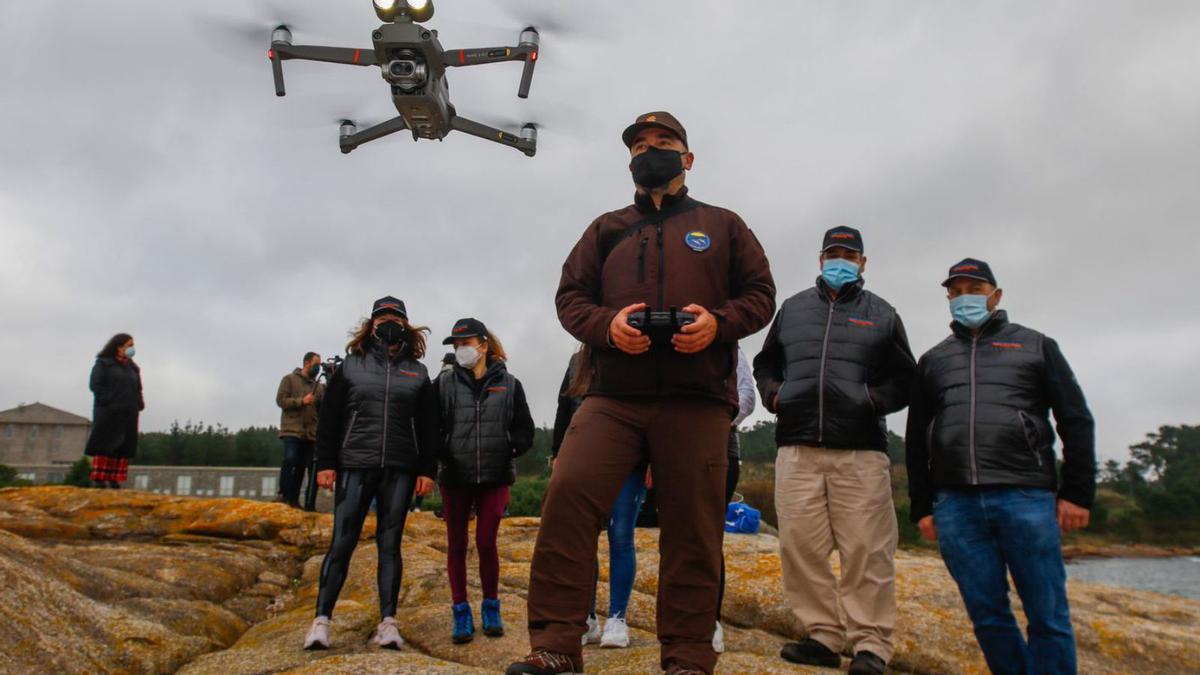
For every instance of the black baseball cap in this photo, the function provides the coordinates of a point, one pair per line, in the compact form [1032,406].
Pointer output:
[658,118]
[465,328]
[389,304]
[844,236]
[971,269]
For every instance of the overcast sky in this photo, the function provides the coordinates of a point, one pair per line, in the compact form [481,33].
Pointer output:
[151,182]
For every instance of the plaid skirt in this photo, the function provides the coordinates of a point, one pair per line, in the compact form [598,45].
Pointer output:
[105,468]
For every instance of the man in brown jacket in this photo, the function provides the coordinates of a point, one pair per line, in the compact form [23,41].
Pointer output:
[670,403]
[299,395]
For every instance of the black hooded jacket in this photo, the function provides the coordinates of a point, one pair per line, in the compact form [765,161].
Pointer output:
[838,365]
[379,412]
[484,424]
[980,416]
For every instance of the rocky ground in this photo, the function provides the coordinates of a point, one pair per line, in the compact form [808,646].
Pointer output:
[107,581]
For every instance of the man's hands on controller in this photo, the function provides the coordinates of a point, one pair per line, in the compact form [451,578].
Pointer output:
[692,338]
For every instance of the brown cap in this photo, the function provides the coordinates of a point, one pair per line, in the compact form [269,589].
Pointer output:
[660,119]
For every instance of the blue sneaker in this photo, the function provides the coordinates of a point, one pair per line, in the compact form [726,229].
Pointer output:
[464,623]
[490,614]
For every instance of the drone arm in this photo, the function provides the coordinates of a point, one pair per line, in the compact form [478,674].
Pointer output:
[347,55]
[352,141]
[526,142]
[477,57]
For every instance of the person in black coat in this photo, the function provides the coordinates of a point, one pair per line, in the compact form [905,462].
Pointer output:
[116,383]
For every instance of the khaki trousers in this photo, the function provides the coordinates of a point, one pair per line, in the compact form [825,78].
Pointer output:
[838,498]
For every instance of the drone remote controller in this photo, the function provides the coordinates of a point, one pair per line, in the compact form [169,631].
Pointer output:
[660,326]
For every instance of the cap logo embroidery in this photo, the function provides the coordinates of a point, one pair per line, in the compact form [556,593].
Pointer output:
[651,118]
[459,329]
[841,235]
[697,241]
[967,268]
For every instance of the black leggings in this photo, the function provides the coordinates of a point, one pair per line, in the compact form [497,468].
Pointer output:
[731,481]
[356,488]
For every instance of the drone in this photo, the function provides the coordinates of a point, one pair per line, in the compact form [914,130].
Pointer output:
[414,64]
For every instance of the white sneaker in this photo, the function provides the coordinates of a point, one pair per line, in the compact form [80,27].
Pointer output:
[719,639]
[318,634]
[592,636]
[616,633]
[387,634]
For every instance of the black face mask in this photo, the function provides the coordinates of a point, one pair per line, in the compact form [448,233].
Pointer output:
[656,167]
[390,333]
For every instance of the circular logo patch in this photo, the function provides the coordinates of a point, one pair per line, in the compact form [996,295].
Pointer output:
[697,241]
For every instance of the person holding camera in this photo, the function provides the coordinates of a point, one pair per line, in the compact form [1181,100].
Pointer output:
[298,397]
[377,440]
[668,401]
[485,424]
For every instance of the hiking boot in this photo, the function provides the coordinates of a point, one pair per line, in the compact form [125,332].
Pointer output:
[616,633]
[114,485]
[719,639]
[867,663]
[542,662]
[387,634]
[677,668]
[318,634]
[592,635]
[464,623]
[489,614]
[810,652]
[99,484]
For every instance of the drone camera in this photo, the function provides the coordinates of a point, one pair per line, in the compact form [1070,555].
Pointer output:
[407,71]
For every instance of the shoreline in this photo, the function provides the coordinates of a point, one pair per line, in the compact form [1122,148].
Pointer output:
[1077,552]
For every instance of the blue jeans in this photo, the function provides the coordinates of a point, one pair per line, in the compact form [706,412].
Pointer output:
[297,455]
[622,554]
[986,534]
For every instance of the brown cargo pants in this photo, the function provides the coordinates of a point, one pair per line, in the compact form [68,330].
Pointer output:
[685,440]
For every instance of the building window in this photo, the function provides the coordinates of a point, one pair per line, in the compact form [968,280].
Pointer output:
[27,476]
[141,482]
[8,431]
[226,486]
[54,478]
[58,431]
[268,485]
[33,432]
[183,485]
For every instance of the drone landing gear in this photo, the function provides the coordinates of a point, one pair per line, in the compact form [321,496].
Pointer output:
[526,142]
[351,138]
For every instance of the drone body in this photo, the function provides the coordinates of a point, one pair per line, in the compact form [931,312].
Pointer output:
[413,62]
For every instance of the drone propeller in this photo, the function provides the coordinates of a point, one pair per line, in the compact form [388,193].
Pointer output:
[252,32]
[557,23]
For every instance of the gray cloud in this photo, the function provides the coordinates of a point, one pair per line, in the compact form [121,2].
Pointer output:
[152,182]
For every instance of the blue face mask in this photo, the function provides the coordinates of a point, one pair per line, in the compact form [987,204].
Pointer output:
[838,272]
[129,353]
[970,310]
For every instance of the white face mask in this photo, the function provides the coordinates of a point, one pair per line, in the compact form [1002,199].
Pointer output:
[466,356]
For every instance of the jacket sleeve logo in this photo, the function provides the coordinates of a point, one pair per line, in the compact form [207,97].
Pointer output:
[697,241]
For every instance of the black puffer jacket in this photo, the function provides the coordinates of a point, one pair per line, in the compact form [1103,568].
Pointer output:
[838,366]
[379,411]
[981,416]
[485,425]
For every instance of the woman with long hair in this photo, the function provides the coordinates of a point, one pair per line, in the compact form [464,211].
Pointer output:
[485,425]
[116,384]
[377,441]
[622,553]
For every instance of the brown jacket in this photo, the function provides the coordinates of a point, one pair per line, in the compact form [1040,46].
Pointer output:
[298,420]
[730,277]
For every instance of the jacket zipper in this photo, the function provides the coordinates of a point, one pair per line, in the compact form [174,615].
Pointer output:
[971,431]
[641,273]
[929,443]
[662,261]
[349,430]
[821,379]
[478,450]
[387,395]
